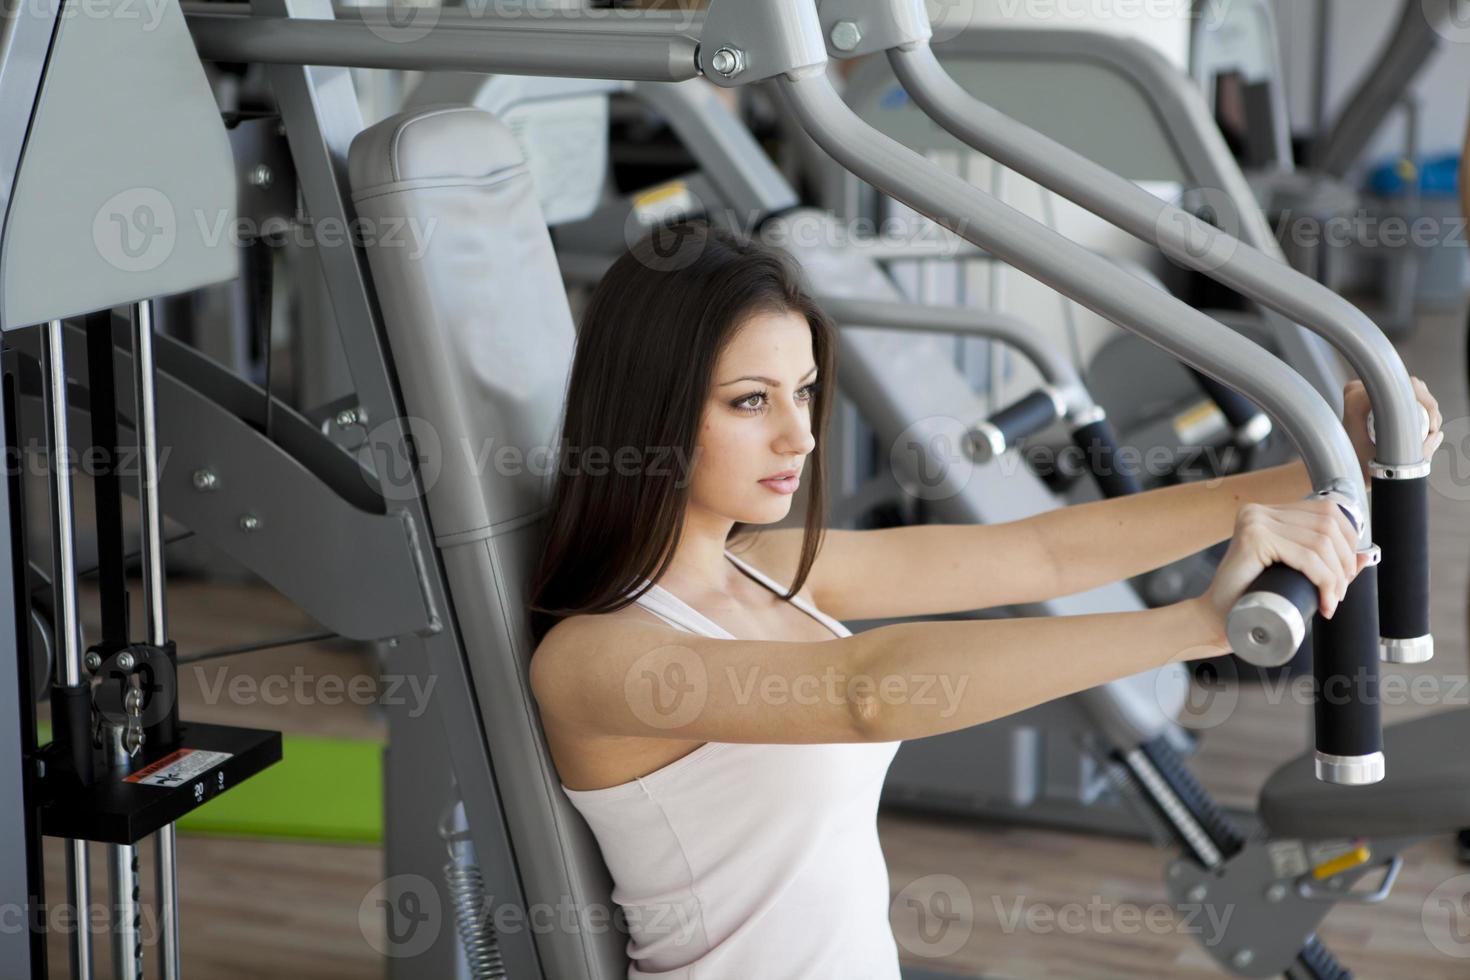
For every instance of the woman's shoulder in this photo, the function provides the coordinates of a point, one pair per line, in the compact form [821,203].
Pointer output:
[578,627]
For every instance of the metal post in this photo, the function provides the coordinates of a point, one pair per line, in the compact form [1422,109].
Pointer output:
[493,45]
[1422,27]
[22,877]
[1322,29]
[122,882]
[68,638]
[155,610]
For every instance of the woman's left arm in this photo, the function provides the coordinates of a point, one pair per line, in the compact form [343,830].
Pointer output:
[1106,541]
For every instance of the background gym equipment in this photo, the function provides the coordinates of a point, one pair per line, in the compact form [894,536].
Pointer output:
[1235,58]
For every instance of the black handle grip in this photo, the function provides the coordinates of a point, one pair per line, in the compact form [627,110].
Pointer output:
[1025,417]
[1401,530]
[1099,445]
[1268,623]
[1238,410]
[1292,585]
[1345,666]
[1235,406]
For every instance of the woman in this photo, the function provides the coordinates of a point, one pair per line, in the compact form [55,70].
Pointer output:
[723,734]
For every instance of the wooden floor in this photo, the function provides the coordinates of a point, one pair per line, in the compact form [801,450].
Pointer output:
[1043,904]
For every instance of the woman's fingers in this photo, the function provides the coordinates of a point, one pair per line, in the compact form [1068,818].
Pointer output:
[1311,563]
[1430,403]
[1324,517]
[1355,406]
[1341,564]
[1304,551]
[1318,527]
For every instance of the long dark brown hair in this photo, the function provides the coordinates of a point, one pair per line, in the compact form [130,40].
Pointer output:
[647,346]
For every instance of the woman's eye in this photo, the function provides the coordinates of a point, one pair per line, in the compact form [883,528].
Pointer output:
[808,392]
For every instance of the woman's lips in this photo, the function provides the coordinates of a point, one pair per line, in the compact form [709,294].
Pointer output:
[787,485]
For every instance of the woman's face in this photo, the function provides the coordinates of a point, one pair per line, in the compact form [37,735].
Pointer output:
[757,420]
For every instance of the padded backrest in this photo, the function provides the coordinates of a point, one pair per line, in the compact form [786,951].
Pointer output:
[482,339]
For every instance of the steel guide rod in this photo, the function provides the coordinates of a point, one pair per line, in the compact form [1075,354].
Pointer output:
[68,626]
[150,517]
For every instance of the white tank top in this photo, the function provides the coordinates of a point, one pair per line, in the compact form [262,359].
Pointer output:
[747,861]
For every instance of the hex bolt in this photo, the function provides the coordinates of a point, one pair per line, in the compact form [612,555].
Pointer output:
[249,523]
[93,661]
[728,61]
[1276,892]
[125,661]
[205,481]
[1242,959]
[1197,893]
[347,416]
[845,35]
[261,176]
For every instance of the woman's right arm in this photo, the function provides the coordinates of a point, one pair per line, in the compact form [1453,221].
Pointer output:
[628,678]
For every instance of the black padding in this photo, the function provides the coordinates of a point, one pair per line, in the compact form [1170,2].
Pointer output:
[1345,666]
[1425,790]
[1401,530]
[1099,445]
[1237,408]
[1025,417]
[71,720]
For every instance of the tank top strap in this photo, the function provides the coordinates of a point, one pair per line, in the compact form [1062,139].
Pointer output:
[679,614]
[800,603]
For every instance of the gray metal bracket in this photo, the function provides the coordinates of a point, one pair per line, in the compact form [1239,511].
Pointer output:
[305,539]
[1254,913]
[853,28]
[746,41]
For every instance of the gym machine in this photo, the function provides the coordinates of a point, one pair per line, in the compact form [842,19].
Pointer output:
[731,63]
[121,765]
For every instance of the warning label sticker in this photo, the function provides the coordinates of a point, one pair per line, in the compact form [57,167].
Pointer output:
[177,767]
[1288,858]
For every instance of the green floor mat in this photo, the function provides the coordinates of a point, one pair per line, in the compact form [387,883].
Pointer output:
[325,789]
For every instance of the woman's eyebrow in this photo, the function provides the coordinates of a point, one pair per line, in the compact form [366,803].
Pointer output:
[767,381]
